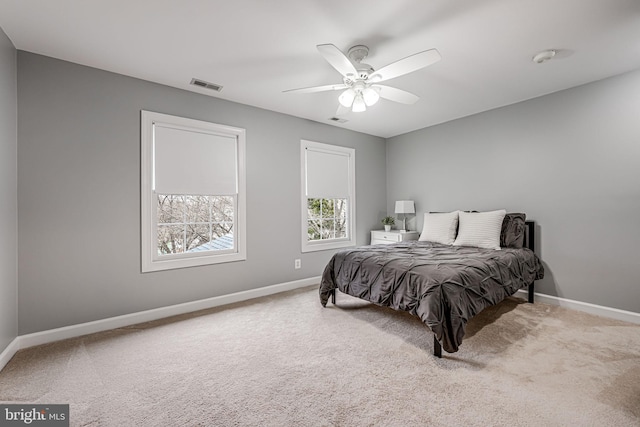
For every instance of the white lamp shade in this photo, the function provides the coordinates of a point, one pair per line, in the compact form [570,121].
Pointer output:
[370,96]
[405,207]
[358,104]
[346,98]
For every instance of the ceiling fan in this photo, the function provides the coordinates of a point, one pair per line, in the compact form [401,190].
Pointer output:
[360,81]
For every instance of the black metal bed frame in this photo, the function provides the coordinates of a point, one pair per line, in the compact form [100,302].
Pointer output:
[529,242]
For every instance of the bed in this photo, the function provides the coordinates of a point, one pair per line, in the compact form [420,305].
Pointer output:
[443,281]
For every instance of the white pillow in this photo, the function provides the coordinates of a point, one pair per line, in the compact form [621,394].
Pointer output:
[480,229]
[439,227]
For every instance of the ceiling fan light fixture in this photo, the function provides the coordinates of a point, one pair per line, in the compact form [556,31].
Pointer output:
[370,96]
[358,104]
[346,98]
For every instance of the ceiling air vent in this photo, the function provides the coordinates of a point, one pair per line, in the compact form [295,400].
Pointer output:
[206,85]
[338,119]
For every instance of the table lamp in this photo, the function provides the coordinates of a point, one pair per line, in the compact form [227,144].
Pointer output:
[405,207]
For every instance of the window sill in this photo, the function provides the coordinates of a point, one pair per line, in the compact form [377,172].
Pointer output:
[323,246]
[173,263]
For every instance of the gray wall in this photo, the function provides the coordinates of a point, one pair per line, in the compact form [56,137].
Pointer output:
[8,193]
[570,160]
[79,195]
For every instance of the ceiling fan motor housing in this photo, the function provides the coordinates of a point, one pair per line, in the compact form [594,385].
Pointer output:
[357,54]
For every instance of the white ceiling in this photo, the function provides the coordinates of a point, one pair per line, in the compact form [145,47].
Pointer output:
[257,49]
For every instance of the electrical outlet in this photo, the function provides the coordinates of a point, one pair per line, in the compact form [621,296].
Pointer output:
[297,264]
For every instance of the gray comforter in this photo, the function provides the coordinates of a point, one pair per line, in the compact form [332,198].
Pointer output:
[443,285]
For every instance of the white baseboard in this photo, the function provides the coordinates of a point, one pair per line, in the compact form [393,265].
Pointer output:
[8,352]
[598,310]
[44,337]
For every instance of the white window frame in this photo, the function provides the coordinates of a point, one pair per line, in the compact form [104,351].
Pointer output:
[350,240]
[151,261]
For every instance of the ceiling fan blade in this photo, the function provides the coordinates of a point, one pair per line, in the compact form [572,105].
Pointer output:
[406,65]
[397,95]
[318,88]
[337,59]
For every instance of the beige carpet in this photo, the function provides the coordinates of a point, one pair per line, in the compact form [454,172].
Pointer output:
[285,361]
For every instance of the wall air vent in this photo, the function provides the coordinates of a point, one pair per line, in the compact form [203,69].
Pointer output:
[338,119]
[206,85]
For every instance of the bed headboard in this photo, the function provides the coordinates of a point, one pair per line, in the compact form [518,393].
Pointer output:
[529,235]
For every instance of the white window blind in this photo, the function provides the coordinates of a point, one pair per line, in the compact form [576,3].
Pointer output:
[327,174]
[194,162]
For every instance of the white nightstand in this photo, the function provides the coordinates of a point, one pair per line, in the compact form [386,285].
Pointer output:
[393,236]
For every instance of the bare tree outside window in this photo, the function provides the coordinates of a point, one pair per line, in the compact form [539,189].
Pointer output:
[327,219]
[187,222]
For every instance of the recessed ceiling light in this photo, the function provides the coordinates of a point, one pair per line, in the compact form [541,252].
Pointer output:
[544,56]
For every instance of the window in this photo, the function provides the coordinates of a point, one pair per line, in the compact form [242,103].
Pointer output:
[193,193]
[328,196]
